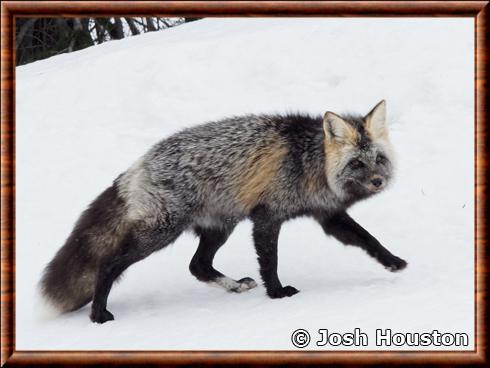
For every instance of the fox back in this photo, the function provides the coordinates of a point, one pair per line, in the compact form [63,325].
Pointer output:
[292,163]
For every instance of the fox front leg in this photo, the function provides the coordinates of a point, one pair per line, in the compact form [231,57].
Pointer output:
[265,234]
[349,232]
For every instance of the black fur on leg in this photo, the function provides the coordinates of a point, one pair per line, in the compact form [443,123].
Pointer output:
[136,247]
[265,234]
[201,266]
[109,271]
[349,232]
[211,240]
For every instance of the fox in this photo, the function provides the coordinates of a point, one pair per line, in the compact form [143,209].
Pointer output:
[268,168]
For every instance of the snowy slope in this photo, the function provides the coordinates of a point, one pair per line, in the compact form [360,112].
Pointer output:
[83,118]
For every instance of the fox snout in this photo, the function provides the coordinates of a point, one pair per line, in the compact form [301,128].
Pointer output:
[377,183]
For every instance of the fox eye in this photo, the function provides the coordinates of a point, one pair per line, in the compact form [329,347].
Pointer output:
[380,159]
[356,164]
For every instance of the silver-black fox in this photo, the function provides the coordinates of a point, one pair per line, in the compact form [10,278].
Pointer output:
[268,168]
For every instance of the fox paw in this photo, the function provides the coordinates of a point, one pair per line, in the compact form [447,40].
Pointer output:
[101,316]
[282,292]
[233,286]
[244,284]
[395,264]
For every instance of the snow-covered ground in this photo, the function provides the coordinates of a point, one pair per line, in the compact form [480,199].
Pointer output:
[83,118]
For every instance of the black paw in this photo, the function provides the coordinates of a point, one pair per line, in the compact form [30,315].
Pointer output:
[395,264]
[282,292]
[101,316]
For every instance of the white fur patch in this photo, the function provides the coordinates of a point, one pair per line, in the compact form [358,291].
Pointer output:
[231,285]
[208,222]
[135,188]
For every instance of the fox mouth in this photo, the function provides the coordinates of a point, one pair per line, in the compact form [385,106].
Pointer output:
[360,187]
[373,186]
[375,189]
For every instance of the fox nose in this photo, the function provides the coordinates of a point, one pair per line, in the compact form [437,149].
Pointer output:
[377,182]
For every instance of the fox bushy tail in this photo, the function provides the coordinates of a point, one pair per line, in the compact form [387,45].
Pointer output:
[68,282]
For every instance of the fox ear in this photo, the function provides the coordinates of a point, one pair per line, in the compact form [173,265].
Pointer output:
[376,121]
[336,128]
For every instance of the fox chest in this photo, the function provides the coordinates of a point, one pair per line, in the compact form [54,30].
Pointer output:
[292,203]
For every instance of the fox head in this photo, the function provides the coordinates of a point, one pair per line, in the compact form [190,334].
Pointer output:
[359,155]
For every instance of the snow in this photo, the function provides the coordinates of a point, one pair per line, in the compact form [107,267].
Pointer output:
[83,118]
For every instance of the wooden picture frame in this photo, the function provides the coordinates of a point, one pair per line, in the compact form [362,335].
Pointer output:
[479,10]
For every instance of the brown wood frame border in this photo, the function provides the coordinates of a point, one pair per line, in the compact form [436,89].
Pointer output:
[479,10]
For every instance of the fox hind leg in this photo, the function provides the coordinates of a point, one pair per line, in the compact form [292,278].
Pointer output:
[201,266]
[135,247]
